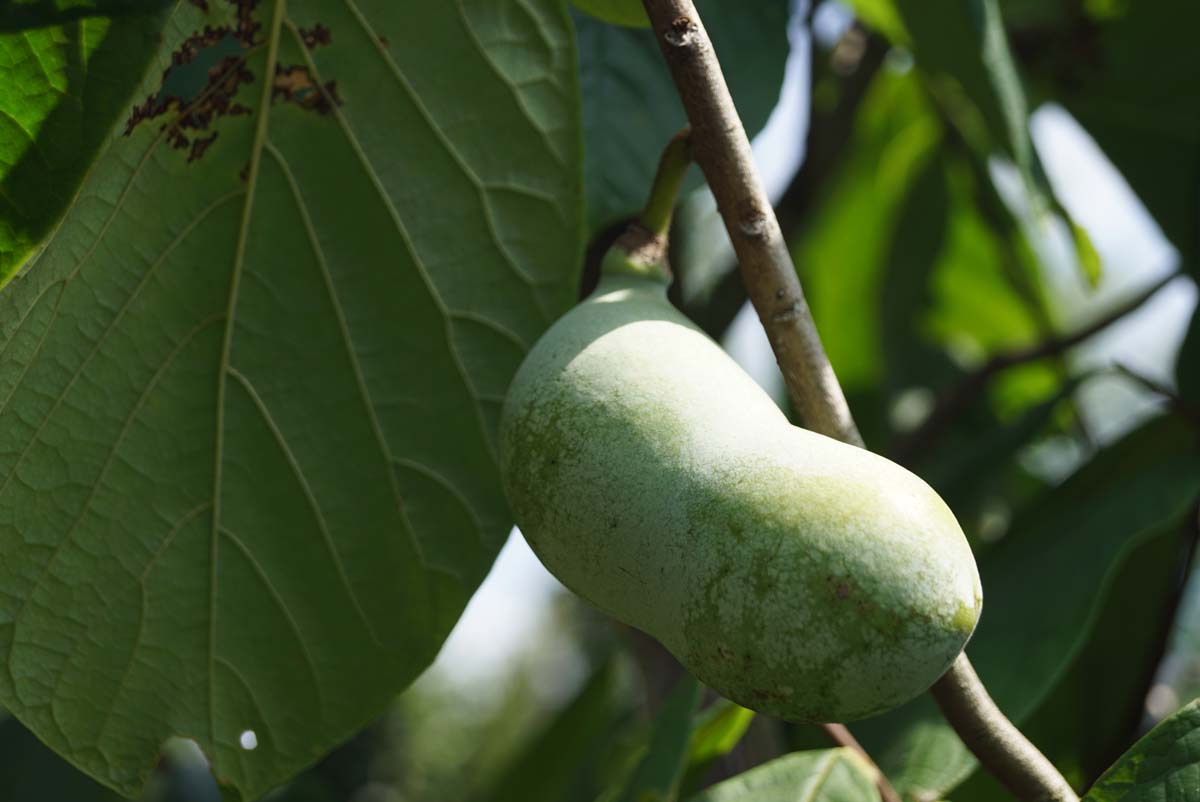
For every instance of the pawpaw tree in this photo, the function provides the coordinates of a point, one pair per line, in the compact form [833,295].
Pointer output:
[305,303]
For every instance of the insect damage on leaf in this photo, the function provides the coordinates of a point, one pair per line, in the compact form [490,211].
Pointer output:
[207,72]
[316,36]
[295,84]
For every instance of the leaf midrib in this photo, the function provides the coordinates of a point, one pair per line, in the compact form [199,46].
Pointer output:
[260,134]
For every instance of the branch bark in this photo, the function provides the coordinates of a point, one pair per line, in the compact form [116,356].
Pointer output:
[992,738]
[721,148]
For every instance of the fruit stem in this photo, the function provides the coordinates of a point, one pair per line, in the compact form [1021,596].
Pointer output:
[664,192]
[641,250]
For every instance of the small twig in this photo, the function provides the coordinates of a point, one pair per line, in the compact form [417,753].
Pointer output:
[1179,405]
[721,148]
[994,739]
[842,737]
[951,403]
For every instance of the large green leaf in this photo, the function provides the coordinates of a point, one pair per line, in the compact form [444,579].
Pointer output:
[249,390]
[631,108]
[1043,586]
[830,775]
[1162,767]
[66,76]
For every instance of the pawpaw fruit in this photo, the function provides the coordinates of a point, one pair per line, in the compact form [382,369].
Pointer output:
[792,573]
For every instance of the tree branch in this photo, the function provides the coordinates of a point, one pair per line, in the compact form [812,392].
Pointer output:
[721,148]
[998,744]
[1180,406]
[842,737]
[951,403]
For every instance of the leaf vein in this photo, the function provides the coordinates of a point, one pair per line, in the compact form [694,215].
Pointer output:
[310,497]
[273,592]
[347,340]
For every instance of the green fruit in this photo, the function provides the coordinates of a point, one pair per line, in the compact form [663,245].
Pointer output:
[794,574]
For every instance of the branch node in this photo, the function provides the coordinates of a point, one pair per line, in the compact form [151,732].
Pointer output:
[788,313]
[682,33]
[752,221]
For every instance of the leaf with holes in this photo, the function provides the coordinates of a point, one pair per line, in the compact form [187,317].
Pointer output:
[248,390]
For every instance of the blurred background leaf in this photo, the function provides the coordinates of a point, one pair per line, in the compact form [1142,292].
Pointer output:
[1125,71]
[630,13]
[657,775]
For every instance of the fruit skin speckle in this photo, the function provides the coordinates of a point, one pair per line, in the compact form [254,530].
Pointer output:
[792,573]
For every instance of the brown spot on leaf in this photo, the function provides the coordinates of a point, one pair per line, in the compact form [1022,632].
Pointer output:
[316,36]
[295,84]
[200,144]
